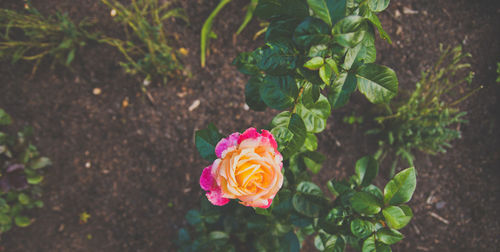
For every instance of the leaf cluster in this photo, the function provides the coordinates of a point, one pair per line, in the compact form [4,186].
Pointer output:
[28,35]
[424,121]
[146,48]
[18,151]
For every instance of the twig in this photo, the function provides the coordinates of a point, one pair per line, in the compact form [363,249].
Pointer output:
[439,218]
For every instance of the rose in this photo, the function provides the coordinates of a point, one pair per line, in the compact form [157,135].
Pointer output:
[248,168]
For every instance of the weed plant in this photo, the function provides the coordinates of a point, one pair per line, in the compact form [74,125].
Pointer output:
[29,35]
[146,48]
[429,119]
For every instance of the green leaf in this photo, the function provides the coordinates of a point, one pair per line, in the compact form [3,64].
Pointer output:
[246,62]
[320,50]
[34,180]
[311,31]
[327,242]
[376,22]
[338,9]
[338,187]
[375,191]
[310,94]
[311,142]
[183,236]
[5,118]
[248,15]
[278,92]
[40,162]
[281,30]
[365,203]
[193,217]
[4,207]
[389,236]
[333,221]
[315,115]
[399,190]
[267,9]
[278,58]
[314,63]
[395,216]
[364,52]
[307,200]
[313,160]
[284,124]
[349,31]
[320,8]
[370,245]
[252,94]
[206,140]
[22,221]
[289,243]
[5,219]
[361,228]
[206,30]
[342,88]
[366,170]
[218,238]
[378,83]
[378,5]
[23,199]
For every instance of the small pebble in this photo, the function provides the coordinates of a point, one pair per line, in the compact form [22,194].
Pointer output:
[88,165]
[440,204]
[97,91]
[194,105]
[113,12]
[246,107]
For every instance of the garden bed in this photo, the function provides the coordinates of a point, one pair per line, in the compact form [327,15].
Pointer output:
[133,167]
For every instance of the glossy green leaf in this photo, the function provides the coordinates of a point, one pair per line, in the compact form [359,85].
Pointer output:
[375,191]
[320,9]
[315,115]
[389,236]
[267,9]
[364,52]
[365,203]
[366,170]
[206,140]
[311,31]
[342,88]
[22,221]
[333,221]
[338,9]
[399,190]
[314,63]
[338,187]
[395,216]
[362,228]
[246,62]
[313,160]
[218,238]
[252,94]
[289,243]
[310,94]
[40,162]
[307,200]
[320,50]
[290,132]
[281,29]
[34,180]
[5,118]
[311,142]
[23,199]
[278,92]
[371,245]
[349,31]
[378,5]
[278,58]
[376,22]
[378,83]
[327,242]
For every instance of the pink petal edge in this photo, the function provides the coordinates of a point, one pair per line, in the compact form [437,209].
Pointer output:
[207,182]
[215,197]
[225,143]
[249,133]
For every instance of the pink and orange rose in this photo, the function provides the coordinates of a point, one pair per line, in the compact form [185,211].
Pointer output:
[248,168]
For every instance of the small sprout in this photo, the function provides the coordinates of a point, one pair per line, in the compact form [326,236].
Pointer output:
[84,217]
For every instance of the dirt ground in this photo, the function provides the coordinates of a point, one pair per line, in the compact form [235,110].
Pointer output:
[135,169]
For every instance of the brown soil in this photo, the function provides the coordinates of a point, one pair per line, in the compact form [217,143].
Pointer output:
[143,165]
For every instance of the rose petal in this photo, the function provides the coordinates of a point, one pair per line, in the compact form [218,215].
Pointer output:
[249,133]
[215,197]
[225,143]
[206,180]
[270,138]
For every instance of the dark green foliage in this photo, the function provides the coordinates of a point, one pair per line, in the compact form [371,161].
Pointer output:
[31,36]
[424,121]
[146,48]
[20,176]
